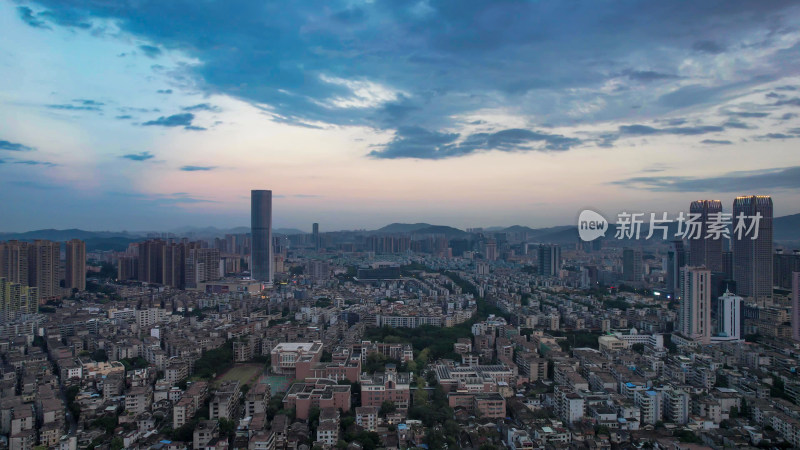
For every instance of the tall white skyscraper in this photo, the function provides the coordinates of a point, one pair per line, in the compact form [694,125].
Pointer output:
[729,317]
[261,227]
[695,312]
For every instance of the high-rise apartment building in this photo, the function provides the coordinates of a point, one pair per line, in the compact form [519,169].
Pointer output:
[14,261]
[796,306]
[695,310]
[151,261]
[202,265]
[491,250]
[703,249]
[549,259]
[729,317]
[16,299]
[44,260]
[676,259]
[315,235]
[75,265]
[752,258]
[632,265]
[784,264]
[261,228]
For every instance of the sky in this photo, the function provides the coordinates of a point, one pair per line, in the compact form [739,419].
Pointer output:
[152,115]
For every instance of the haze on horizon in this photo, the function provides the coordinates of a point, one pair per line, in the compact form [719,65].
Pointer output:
[157,115]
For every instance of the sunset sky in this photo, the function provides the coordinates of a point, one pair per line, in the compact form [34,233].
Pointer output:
[154,114]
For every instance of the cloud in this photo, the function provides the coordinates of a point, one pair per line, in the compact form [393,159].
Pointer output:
[770,136]
[176,120]
[164,91]
[29,162]
[788,116]
[645,130]
[428,64]
[420,143]
[795,101]
[197,168]
[150,50]
[708,47]
[124,117]
[765,180]
[14,146]
[747,114]
[646,76]
[716,142]
[70,107]
[27,16]
[202,107]
[141,156]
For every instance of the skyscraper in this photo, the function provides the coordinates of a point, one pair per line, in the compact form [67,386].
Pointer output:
[695,311]
[752,258]
[676,259]
[704,251]
[44,258]
[315,235]
[549,259]
[75,265]
[491,250]
[729,316]
[632,265]
[796,306]
[261,227]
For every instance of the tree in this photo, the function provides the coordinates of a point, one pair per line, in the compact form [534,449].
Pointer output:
[117,443]
[387,407]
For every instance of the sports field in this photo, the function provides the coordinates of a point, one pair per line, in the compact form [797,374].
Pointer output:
[245,373]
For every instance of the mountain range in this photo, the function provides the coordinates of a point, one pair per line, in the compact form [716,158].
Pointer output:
[786,229]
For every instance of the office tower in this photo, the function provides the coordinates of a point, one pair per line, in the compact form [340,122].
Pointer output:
[752,258]
[202,265]
[676,259]
[16,299]
[14,261]
[315,235]
[549,260]
[695,310]
[261,226]
[491,250]
[632,265]
[75,265]
[729,316]
[784,265]
[796,306]
[705,251]
[44,258]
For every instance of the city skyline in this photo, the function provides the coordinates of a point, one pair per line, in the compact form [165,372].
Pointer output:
[368,115]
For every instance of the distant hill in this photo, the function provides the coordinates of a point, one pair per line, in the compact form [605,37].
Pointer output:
[786,228]
[65,235]
[440,229]
[403,227]
[286,231]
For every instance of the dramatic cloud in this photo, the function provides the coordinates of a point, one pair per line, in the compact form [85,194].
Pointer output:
[743,181]
[420,64]
[416,142]
[14,146]
[142,156]
[197,168]
[27,16]
[645,130]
